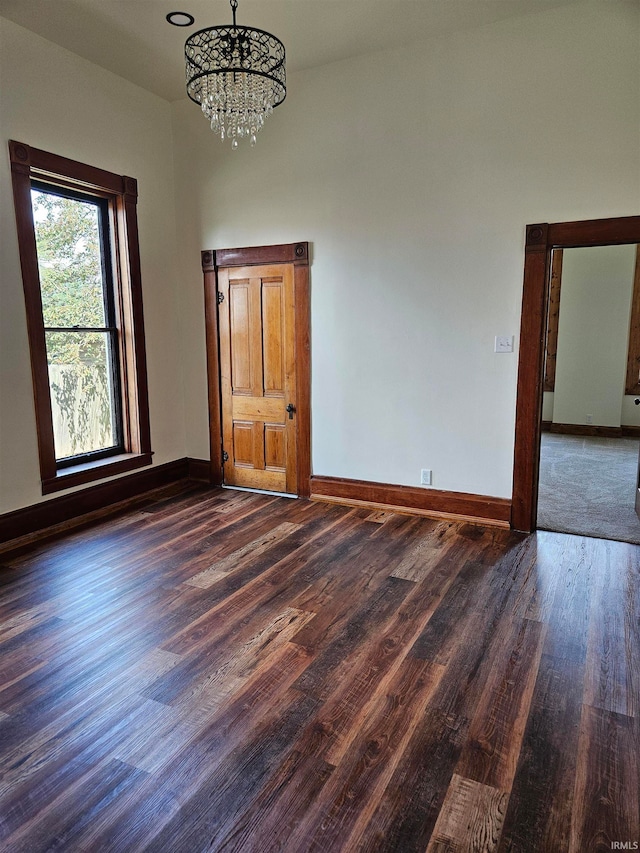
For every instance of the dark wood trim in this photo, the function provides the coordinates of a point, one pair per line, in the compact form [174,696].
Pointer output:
[283,253]
[136,384]
[83,506]
[553,320]
[74,506]
[303,376]
[624,431]
[213,365]
[289,253]
[122,194]
[540,240]
[530,376]
[199,470]
[411,499]
[586,429]
[53,165]
[67,478]
[594,232]
[632,382]
[21,180]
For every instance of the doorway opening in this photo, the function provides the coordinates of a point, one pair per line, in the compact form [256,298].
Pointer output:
[257,313]
[590,425]
[543,242]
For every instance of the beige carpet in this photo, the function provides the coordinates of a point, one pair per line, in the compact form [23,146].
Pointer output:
[587,486]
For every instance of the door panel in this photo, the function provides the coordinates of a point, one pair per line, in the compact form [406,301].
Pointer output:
[274,447]
[240,310]
[243,444]
[273,343]
[257,367]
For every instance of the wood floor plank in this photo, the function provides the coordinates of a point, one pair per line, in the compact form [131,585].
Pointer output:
[243,658]
[612,676]
[474,582]
[18,666]
[542,798]
[70,818]
[207,754]
[221,796]
[408,811]
[227,671]
[31,786]
[235,558]
[417,561]
[179,726]
[490,755]
[318,678]
[606,797]
[239,594]
[344,806]
[470,820]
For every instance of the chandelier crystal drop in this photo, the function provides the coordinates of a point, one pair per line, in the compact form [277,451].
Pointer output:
[237,75]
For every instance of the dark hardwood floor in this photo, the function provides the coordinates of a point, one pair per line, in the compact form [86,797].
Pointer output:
[226,671]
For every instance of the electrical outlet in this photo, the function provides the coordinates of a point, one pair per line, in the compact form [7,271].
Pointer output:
[589,419]
[425,477]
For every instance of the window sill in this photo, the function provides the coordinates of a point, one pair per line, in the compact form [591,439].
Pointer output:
[77,475]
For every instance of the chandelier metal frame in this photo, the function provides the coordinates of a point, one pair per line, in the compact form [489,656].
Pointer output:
[223,64]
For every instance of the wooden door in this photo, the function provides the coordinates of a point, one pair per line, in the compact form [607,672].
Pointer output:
[257,376]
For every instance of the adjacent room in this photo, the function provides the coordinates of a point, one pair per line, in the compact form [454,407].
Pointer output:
[318,425]
[589,445]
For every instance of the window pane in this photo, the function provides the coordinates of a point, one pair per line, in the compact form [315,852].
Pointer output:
[69,260]
[82,396]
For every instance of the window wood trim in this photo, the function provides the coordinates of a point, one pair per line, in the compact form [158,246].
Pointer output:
[29,164]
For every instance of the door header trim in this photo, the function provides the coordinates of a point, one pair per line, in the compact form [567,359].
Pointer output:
[283,253]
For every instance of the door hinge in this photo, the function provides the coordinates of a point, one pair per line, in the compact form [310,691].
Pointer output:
[225,456]
[220,297]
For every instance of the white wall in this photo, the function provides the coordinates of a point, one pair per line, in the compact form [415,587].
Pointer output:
[54,100]
[547,406]
[593,334]
[413,177]
[414,174]
[630,412]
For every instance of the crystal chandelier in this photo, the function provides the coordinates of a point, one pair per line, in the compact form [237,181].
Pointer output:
[237,75]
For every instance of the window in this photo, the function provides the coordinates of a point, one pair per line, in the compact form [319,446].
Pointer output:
[77,233]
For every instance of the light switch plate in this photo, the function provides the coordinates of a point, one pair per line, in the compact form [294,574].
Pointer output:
[504,343]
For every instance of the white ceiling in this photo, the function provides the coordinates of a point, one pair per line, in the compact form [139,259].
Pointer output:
[133,39]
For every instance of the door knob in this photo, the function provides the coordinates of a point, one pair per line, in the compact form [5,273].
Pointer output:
[291,409]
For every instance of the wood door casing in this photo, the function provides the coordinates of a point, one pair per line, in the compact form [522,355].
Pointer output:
[296,254]
[541,239]
[257,376]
